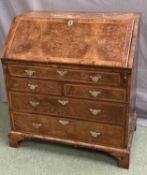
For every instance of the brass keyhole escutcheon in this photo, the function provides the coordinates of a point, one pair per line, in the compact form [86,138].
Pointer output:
[62,72]
[94,93]
[34,104]
[95,134]
[95,111]
[36,125]
[63,102]
[70,23]
[33,87]
[64,122]
[95,78]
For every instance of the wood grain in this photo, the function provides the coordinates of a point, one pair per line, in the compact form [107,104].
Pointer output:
[35,86]
[95,92]
[109,112]
[51,126]
[75,75]
[101,41]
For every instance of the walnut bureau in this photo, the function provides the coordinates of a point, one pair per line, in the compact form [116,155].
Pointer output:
[70,79]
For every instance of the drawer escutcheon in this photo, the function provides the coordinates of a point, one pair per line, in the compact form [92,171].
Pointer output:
[95,134]
[34,104]
[36,125]
[33,87]
[94,111]
[63,102]
[64,122]
[95,78]
[94,93]
[62,72]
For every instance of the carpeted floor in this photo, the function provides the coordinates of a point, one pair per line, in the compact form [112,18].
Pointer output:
[43,158]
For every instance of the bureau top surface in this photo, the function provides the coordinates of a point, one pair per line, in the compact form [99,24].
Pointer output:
[99,39]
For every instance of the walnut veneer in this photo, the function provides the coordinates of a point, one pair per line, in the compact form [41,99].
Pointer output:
[70,79]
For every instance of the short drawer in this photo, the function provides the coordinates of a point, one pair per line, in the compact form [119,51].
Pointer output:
[69,129]
[95,92]
[87,110]
[35,86]
[65,74]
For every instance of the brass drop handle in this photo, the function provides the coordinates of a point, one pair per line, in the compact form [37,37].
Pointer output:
[94,111]
[95,78]
[64,122]
[30,73]
[94,93]
[63,102]
[94,134]
[34,104]
[70,23]
[33,87]
[36,125]
[62,72]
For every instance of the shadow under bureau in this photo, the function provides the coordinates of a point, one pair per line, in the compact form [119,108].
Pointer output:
[70,79]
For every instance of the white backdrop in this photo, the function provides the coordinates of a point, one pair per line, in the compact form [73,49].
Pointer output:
[10,8]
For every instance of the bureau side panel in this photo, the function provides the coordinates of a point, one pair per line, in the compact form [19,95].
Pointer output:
[5,71]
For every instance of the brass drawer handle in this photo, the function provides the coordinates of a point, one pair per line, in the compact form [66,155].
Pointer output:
[95,78]
[62,72]
[33,87]
[30,73]
[95,134]
[64,122]
[34,104]
[94,93]
[70,23]
[63,102]
[36,125]
[94,111]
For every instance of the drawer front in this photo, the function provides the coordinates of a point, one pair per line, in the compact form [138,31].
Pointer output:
[65,74]
[95,93]
[35,86]
[66,107]
[70,129]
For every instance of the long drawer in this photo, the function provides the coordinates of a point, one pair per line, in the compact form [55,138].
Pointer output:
[67,107]
[95,92]
[65,74]
[76,130]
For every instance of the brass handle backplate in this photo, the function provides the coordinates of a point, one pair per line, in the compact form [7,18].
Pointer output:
[95,78]
[36,125]
[30,73]
[94,93]
[64,122]
[62,72]
[34,104]
[95,134]
[94,111]
[63,102]
[33,87]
